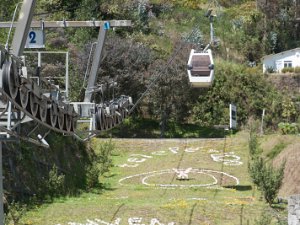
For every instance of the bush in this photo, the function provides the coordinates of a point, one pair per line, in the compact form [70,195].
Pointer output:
[55,183]
[15,212]
[253,143]
[235,83]
[270,69]
[264,219]
[288,70]
[288,128]
[101,163]
[267,178]
[271,182]
[297,69]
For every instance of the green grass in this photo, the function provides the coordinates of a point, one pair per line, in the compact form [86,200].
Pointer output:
[195,205]
[276,150]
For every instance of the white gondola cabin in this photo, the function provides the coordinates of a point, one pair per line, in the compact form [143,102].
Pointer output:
[200,68]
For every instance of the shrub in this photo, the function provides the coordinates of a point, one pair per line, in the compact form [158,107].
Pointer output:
[297,69]
[288,70]
[253,143]
[288,128]
[55,183]
[256,170]
[271,182]
[270,69]
[266,177]
[264,219]
[15,212]
[101,163]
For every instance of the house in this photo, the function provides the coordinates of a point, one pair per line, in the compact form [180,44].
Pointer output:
[276,62]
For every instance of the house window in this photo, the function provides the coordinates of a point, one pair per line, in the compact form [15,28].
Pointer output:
[288,64]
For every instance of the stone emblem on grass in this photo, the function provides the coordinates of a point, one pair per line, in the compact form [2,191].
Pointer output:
[164,178]
[228,158]
[182,174]
[136,159]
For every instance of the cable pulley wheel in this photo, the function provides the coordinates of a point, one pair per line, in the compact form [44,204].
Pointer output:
[118,117]
[114,119]
[10,79]
[74,123]
[103,119]
[52,114]
[33,104]
[109,122]
[123,113]
[24,97]
[68,122]
[60,119]
[99,119]
[43,111]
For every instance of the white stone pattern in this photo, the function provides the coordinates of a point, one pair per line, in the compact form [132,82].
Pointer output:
[228,158]
[182,174]
[146,176]
[131,221]
[136,160]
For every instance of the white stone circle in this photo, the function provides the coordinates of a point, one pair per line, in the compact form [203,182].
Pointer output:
[170,171]
[144,180]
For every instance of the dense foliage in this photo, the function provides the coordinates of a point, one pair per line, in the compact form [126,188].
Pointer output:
[245,87]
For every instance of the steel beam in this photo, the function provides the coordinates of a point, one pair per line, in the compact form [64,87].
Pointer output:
[65,23]
[96,63]
[22,28]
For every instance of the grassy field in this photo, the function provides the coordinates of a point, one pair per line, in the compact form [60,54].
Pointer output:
[142,186]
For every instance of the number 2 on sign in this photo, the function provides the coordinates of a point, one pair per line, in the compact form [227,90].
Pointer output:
[32,36]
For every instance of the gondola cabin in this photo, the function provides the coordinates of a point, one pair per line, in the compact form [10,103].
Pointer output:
[200,69]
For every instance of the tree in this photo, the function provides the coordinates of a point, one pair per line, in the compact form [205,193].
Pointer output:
[267,178]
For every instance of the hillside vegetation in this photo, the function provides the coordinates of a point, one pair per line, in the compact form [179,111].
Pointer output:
[135,56]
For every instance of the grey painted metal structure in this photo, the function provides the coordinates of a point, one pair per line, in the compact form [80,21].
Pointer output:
[103,116]
[65,23]
[96,62]
[22,28]
[18,43]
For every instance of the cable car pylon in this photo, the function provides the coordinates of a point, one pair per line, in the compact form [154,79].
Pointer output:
[46,107]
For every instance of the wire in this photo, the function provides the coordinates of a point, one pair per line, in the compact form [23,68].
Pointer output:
[88,65]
